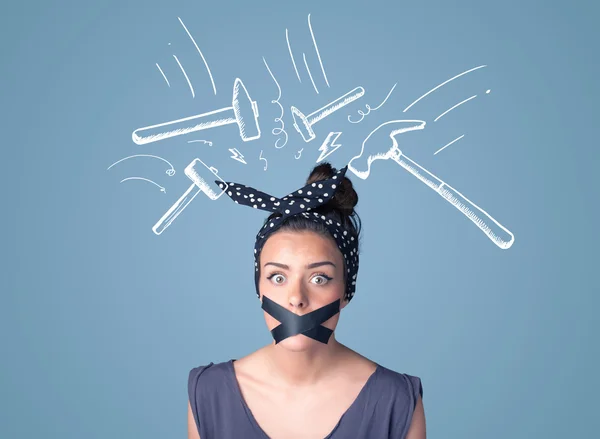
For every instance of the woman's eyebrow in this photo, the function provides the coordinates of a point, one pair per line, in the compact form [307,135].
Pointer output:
[319,264]
[277,264]
[313,265]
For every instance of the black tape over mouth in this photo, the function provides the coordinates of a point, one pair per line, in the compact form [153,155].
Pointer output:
[292,324]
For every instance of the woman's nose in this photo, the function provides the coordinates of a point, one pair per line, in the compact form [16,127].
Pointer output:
[296,296]
[296,301]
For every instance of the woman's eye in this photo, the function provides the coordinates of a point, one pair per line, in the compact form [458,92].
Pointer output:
[321,279]
[277,278]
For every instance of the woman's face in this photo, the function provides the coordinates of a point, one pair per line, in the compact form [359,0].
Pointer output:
[301,271]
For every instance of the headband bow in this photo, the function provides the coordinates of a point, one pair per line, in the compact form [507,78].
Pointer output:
[300,202]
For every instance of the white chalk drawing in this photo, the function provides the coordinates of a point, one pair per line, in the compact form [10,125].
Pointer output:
[379,148]
[442,84]
[329,145]
[277,130]
[262,158]
[369,109]
[203,178]
[309,74]
[448,144]
[243,112]
[303,123]
[162,189]
[453,107]
[380,144]
[170,172]
[287,38]
[186,76]
[201,55]
[208,142]
[237,155]
[317,50]
[163,74]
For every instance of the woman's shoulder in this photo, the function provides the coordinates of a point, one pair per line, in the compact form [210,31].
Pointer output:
[396,381]
[211,374]
[400,384]
[385,380]
[211,368]
[212,397]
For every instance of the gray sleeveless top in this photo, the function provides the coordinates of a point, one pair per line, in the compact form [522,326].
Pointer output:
[382,410]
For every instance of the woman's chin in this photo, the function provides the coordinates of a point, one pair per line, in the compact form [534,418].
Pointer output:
[298,343]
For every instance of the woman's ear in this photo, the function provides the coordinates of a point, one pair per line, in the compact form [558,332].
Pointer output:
[344,302]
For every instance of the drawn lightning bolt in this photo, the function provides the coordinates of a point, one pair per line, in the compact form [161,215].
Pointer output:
[329,145]
[237,155]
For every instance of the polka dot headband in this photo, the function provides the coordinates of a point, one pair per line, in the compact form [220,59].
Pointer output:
[303,202]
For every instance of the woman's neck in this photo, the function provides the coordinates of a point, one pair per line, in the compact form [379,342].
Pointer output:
[303,368]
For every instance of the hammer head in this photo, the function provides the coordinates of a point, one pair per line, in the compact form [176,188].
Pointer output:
[245,111]
[203,176]
[302,125]
[381,144]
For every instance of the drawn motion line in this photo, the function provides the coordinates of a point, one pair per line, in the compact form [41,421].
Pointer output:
[186,76]
[162,189]
[442,84]
[287,38]
[200,52]
[452,108]
[309,74]
[317,50]
[169,172]
[163,74]
[448,144]
[200,140]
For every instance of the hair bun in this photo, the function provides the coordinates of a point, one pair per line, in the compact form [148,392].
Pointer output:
[345,197]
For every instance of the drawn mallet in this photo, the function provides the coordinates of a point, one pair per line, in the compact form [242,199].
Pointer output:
[203,177]
[243,112]
[303,124]
[376,146]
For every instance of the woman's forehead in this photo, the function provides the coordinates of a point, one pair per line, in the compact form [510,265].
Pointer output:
[298,245]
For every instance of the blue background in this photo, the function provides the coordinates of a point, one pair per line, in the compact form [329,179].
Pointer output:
[101,320]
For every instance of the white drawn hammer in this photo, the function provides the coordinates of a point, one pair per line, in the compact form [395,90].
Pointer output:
[381,144]
[203,177]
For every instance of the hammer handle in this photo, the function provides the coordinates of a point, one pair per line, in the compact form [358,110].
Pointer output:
[495,231]
[176,209]
[154,133]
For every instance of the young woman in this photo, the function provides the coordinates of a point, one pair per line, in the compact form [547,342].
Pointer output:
[306,384]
